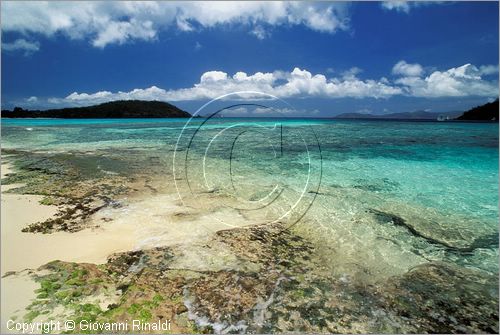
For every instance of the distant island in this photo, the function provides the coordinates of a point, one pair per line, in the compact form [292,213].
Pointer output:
[416,115]
[113,109]
[159,109]
[486,112]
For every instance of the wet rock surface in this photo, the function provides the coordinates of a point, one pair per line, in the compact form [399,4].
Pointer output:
[444,298]
[80,185]
[288,290]
[452,237]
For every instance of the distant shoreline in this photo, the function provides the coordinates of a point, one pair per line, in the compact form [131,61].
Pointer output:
[416,120]
[139,109]
[260,117]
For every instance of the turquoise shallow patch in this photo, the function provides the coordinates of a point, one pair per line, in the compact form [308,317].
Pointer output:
[425,171]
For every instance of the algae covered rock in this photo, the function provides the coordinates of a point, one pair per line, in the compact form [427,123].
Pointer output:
[444,298]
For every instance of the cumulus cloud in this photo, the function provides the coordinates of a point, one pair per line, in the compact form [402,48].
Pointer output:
[488,70]
[351,73]
[103,22]
[409,80]
[465,80]
[296,84]
[260,32]
[405,6]
[405,69]
[21,45]
[400,6]
[120,32]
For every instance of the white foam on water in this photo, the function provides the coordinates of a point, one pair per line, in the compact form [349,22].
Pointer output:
[203,321]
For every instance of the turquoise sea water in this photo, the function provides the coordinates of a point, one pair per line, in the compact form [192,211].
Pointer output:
[442,178]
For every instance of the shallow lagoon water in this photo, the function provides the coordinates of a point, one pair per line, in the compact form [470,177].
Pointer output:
[440,178]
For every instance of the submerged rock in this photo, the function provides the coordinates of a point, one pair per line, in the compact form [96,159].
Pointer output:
[444,298]
[460,235]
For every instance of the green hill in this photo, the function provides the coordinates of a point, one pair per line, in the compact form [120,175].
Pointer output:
[113,109]
[486,112]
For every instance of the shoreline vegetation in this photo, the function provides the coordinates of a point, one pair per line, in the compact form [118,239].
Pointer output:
[252,277]
[488,112]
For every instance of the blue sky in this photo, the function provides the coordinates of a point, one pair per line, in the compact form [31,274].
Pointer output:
[322,58]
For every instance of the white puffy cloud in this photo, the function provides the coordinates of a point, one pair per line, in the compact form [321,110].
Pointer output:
[405,6]
[21,45]
[298,83]
[303,83]
[351,73]
[120,32]
[260,32]
[103,22]
[213,76]
[465,80]
[405,69]
[400,6]
[488,70]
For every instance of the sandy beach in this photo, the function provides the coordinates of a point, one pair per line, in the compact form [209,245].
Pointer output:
[124,230]
[24,252]
[29,251]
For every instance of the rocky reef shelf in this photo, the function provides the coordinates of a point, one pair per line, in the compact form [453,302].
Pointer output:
[258,278]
